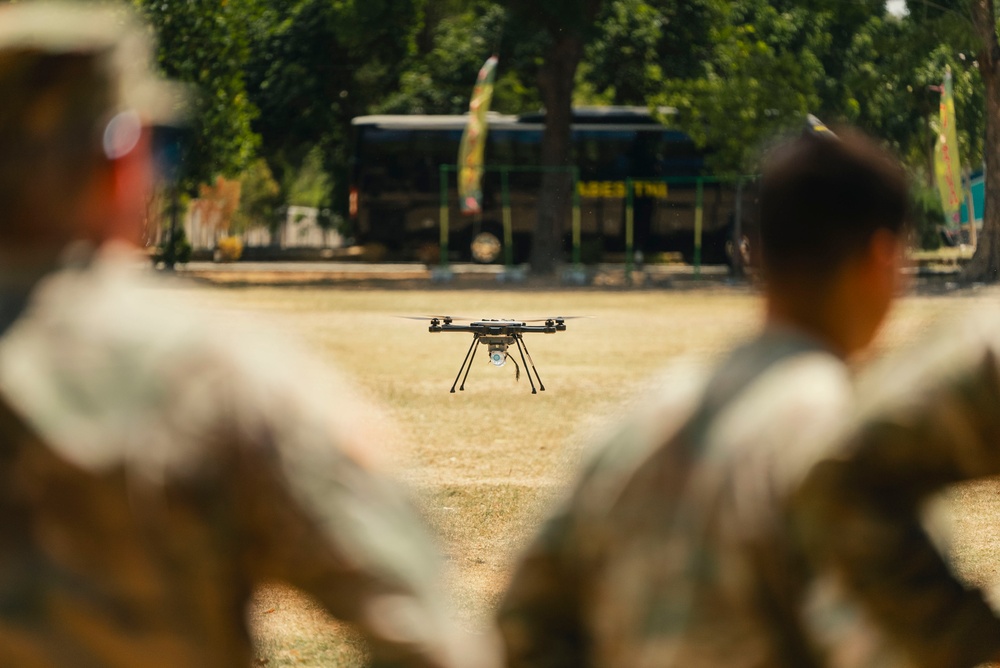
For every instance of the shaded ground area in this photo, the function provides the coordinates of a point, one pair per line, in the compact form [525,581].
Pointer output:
[485,464]
[455,276]
[931,272]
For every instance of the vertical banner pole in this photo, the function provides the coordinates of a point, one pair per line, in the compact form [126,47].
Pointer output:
[629,229]
[698,210]
[576,218]
[508,232]
[737,240]
[444,216]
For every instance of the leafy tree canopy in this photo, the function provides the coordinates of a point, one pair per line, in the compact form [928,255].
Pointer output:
[764,75]
[206,44]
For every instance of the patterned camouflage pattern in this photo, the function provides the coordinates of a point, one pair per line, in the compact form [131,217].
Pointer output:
[675,548]
[926,419]
[153,471]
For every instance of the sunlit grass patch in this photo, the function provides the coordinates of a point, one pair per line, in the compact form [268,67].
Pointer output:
[487,463]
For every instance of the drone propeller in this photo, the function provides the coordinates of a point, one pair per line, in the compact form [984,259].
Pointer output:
[445,318]
[559,317]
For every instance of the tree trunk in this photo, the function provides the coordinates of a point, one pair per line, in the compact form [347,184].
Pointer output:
[555,83]
[985,264]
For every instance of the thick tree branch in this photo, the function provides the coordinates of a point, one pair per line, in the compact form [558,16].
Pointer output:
[985,264]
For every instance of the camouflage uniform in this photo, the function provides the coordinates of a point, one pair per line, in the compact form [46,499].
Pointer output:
[925,420]
[674,548]
[154,471]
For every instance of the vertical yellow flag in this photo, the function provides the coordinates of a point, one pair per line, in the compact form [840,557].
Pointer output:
[947,165]
[470,152]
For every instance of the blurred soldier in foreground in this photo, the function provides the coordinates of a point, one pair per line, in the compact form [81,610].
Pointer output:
[151,472]
[926,419]
[674,549]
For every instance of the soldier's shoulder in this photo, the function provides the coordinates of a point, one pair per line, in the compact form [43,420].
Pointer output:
[616,452]
[951,352]
[105,347]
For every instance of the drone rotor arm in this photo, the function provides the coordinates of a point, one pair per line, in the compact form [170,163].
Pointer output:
[447,327]
[542,329]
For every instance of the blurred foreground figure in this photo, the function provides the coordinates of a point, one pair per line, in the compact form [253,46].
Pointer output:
[153,472]
[926,419]
[674,549]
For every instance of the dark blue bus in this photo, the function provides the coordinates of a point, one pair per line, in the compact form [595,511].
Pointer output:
[396,188]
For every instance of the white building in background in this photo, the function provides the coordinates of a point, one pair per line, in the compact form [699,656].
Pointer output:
[302,230]
[299,229]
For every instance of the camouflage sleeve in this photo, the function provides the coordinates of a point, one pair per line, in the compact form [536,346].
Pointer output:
[349,538]
[317,514]
[540,617]
[932,420]
[543,616]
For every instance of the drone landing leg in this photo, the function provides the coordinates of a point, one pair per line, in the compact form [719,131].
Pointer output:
[468,367]
[517,340]
[475,340]
[539,378]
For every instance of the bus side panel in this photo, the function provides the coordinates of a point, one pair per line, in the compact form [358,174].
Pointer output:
[398,170]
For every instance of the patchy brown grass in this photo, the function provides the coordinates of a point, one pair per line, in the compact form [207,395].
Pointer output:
[487,462]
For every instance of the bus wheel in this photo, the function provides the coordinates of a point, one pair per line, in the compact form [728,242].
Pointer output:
[486,247]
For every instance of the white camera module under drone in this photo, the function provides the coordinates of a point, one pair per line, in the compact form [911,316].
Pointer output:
[498,336]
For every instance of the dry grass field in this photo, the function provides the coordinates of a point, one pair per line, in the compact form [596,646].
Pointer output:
[484,464]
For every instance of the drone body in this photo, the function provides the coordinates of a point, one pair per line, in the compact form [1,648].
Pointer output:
[498,336]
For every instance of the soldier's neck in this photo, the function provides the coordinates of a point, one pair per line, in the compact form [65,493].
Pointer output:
[815,315]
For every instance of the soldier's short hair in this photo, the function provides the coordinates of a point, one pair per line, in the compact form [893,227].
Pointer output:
[67,70]
[822,197]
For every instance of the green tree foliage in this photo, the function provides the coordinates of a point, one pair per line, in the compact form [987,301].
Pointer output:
[456,38]
[927,216]
[763,75]
[639,43]
[206,44]
[440,79]
[312,184]
[316,64]
[840,22]
[259,198]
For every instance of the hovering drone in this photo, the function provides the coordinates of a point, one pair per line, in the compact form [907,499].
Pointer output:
[498,336]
